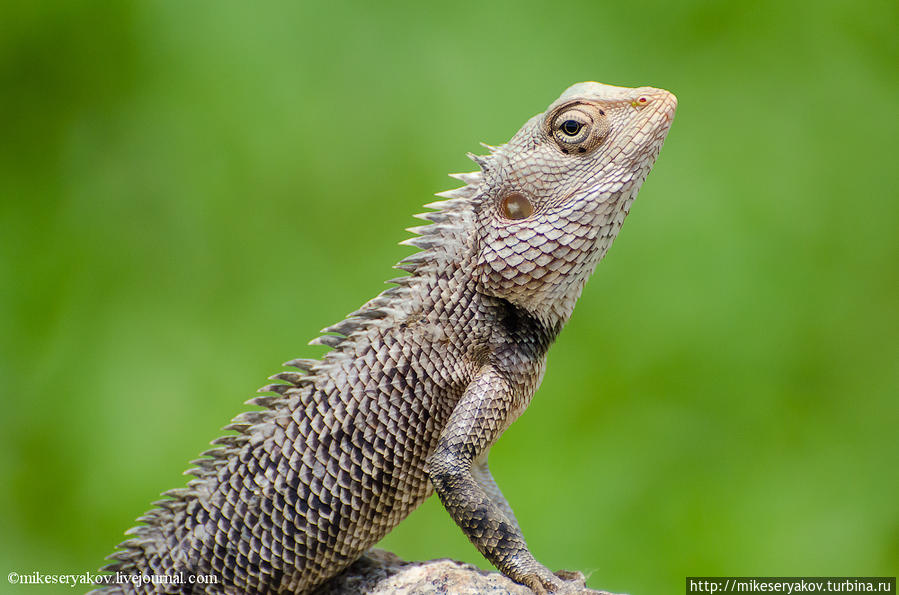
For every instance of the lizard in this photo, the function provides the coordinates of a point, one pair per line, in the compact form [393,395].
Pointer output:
[421,380]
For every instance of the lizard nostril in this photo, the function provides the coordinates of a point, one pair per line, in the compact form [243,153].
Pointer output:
[640,101]
[516,205]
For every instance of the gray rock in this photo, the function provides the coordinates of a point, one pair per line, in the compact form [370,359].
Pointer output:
[379,572]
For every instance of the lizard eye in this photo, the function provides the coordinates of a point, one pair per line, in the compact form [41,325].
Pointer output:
[579,128]
[571,127]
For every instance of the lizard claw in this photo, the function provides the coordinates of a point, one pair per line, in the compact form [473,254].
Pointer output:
[572,576]
[565,582]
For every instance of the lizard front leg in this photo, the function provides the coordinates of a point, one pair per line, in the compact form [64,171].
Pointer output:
[475,424]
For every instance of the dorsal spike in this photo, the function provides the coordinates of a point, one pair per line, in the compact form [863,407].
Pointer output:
[292,377]
[447,205]
[471,177]
[344,327]
[327,340]
[483,161]
[275,388]
[306,365]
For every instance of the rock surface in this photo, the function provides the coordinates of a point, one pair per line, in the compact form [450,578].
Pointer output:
[379,572]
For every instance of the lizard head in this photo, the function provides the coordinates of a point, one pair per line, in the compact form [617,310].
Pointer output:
[553,198]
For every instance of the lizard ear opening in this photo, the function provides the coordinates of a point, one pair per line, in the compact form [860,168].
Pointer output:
[516,205]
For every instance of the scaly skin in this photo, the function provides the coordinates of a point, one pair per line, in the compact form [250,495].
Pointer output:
[423,379]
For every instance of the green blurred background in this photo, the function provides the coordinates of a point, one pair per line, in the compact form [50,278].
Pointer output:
[190,190]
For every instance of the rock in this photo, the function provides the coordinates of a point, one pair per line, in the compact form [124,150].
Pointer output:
[379,572]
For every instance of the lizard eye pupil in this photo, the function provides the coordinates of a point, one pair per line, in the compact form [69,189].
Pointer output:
[571,127]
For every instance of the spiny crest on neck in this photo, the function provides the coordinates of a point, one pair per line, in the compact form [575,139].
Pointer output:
[438,241]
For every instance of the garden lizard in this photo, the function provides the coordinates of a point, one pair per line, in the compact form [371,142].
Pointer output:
[421,380]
